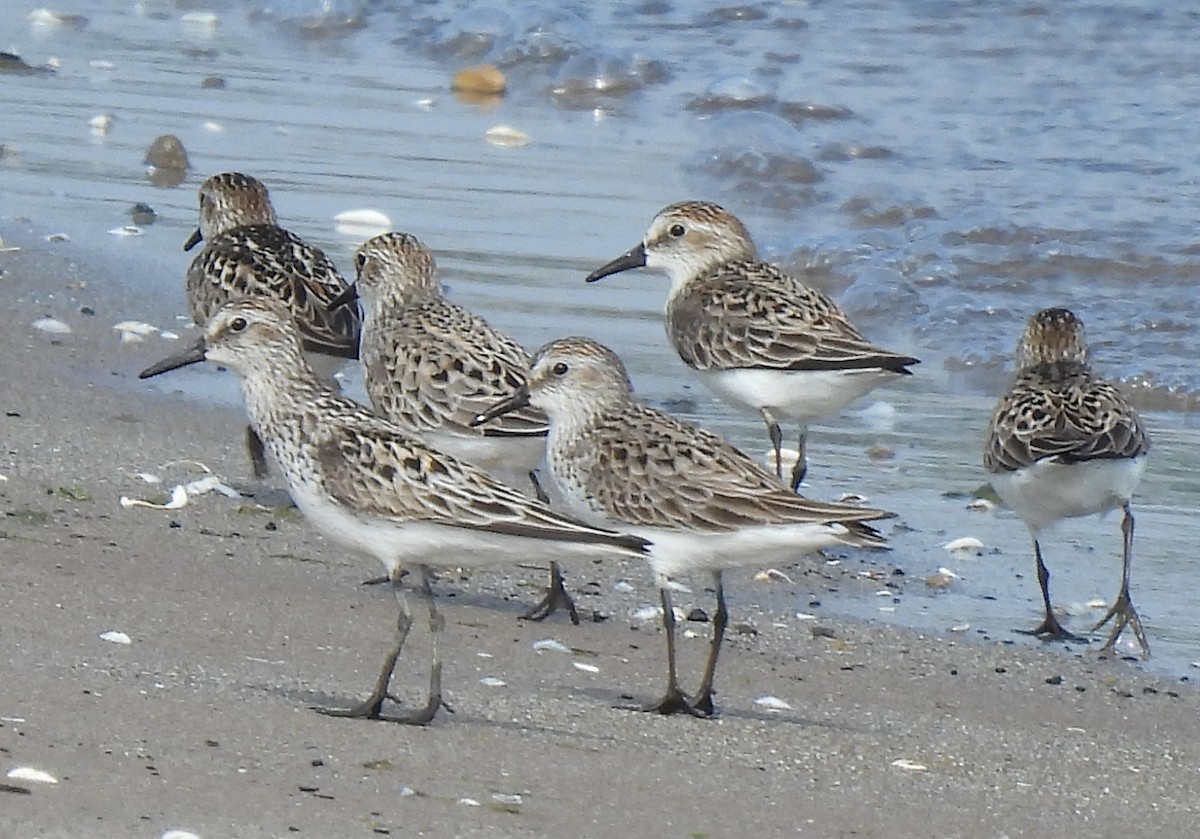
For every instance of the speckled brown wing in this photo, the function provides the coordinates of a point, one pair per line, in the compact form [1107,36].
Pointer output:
[373,468]
[270,261]
[751,314]
[1061,410]
[643,467]
[441,365]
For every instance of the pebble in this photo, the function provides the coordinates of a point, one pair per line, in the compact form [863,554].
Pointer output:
[167,152]
[486,79]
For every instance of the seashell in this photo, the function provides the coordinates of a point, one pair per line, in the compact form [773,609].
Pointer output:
[622,586]
[100,124]
[981,505]
[964,544]
[28,773]
[213,127]
[486,79]
[201,19]
[512,800]
[365,222]
[54,326]
[506,136]
[585,667]
[125,230]
[469,802]
[910,765]
[492,682]
[179,834]
[646,613]
[772,703]
[179,498]
[550,645]
[772,575]
[115,637]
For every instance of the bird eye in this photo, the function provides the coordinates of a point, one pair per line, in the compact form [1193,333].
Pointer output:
[238,324]
[560,369]
[676,230]
[360,260]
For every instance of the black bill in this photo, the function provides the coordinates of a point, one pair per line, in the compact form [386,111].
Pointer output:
[191,355]
[632,258]
[513,403]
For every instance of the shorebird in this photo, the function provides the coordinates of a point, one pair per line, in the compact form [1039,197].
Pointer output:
[366,483]
[1063,442]
[431,366]
[756,336]
[703,504]
[247,253]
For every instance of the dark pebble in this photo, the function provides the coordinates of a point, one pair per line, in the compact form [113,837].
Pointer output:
[213,83]
[142,213]
[167,152]
[698,615]
[1055,680]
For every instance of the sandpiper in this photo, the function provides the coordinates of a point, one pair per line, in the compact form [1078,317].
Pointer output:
[1062,443]
[703,504]
[756,336]
[431,366]
[247,253]
[370,485]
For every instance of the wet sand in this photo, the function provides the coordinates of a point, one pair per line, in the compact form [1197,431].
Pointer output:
[241,618]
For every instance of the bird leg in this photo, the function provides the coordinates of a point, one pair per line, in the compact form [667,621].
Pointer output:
[1049,629]
[437,625]
[1122,608]
[556,598]
[673,701]
[370,708]
[801,467]
[704,700]
[257,452]
[776,435]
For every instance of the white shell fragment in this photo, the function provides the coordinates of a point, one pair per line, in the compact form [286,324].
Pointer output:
[54,326]
[513,799]
[179,834]
[772,575]
[469,802]
[201,19]
[622,587]
[134,331]
[363,222]
[964,544]
[115,637]
[492,682]
[125,230]
[550,645]
[772,703]
[506,136]
[100,124]
[213,127]
[646,613]
[910,765]
[179,498]
[28,773]
[586,668]
[981,505]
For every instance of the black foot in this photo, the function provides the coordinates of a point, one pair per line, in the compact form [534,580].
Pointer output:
[368,710]
[674,702]
[1123,614]
[1051,630]
[556,598]
[704,705]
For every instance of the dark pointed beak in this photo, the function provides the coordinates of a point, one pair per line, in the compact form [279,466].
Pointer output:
[345,298]
[193,240]
[513,403]
[192,355]
[632,258]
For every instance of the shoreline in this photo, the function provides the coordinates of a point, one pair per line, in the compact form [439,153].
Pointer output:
[239,619]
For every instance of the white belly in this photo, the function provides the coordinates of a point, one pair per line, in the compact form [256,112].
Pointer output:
[1047,491]
[508,459]
[803,395]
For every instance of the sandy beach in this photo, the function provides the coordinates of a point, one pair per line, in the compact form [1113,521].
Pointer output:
[239,617]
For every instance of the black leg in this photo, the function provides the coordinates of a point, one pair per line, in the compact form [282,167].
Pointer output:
[704,700]
[801,467]
[370,708]
[437,625]
[257,452]
[776,435]
[1122,608]
[556,598]
[673,701]
[1049,629]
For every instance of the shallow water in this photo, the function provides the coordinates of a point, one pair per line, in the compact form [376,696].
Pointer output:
[944,168]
